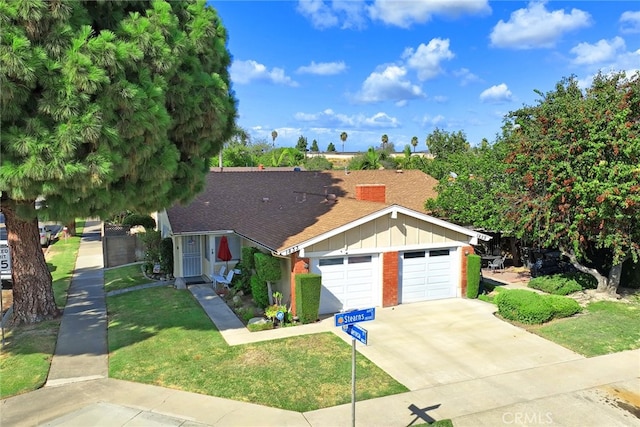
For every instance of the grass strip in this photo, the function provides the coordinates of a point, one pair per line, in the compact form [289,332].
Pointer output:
[605,327]
[26,356]
[124,277]
[161,336]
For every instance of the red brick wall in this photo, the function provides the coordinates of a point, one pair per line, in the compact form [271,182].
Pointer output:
[298,265]
[371,192]
[466,250]
[390,279]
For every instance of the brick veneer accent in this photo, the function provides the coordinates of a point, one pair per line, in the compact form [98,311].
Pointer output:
[466,250]
[389,279]
[297,267]
[371,192]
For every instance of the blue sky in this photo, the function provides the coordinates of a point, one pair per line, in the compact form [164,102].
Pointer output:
[402,68]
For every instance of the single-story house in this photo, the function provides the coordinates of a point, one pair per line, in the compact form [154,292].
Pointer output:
[366,232]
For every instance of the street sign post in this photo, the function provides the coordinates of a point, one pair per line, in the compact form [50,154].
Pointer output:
[355,316]
[356,332]
[348,322]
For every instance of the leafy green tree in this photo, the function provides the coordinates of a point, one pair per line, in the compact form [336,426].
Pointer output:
[442,143]
[573,165]
[331,148]
[282,157]
[105,106]
[372,159]
[343,138]
[385,140]
[317,163]
[237,153]
[302,144]
[414,143]
[314,146]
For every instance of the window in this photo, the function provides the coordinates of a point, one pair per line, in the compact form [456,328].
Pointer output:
[441,252]
[359,259]
[331,261]
[234,246]
[417,254]
[207,248]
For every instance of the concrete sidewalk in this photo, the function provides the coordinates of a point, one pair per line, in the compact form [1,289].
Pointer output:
[562,391]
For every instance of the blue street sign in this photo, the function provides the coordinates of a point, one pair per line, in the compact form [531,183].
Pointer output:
[356,332]
[355,316]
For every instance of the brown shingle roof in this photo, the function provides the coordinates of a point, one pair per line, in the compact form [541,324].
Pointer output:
[280,209]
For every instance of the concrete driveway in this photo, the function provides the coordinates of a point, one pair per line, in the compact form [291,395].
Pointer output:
[447,341]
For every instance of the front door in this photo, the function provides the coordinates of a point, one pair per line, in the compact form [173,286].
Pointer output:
[191,256]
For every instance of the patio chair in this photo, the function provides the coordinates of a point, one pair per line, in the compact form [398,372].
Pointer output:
[226,281]
[497,264]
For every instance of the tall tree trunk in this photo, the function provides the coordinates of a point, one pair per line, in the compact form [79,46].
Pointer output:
[611,283]
[32,283]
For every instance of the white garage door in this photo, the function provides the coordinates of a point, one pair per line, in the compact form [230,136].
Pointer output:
[347,282]
[427,275]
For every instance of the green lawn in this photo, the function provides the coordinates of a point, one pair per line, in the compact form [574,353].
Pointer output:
[26,356]
[161,336]
[124,277]
[605,327]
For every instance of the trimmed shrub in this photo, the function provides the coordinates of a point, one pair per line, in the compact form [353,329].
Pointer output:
[267,267]
[166,255]
[144,220]
[529,307]
[563,306]
[556,284]
[473,275]
[523,306]
[248,262]
[308,286]
[259,291]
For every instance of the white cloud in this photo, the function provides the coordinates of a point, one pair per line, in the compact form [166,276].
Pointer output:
[496,94]
[630,22]
[598,53]
[323,68]
[338,13]
[321,15]
[244,72]
[427,58]
[406,13]
[429,120]
[536,27]
[388,84]
[330,119]
[466,76]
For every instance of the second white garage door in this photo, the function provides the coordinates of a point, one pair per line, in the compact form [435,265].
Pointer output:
[347,282]
[426,275]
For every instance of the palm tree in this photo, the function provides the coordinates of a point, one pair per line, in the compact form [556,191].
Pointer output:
[414,142]
[385,140]
[274,135]
[343,138]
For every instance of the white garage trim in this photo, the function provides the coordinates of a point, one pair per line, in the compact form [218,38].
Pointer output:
[427,275]
[348,282]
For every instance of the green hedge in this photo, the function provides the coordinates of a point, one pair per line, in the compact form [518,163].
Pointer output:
[473,275]
[528,307]
[259,291]
[563,284]
[247,257]
[166,255]
[308,286]
[144,220]
[267,267]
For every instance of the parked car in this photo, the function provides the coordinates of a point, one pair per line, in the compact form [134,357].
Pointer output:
[45,235]
[544,262]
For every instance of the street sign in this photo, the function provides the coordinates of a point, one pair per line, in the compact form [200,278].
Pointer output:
[355,316]
[356,332]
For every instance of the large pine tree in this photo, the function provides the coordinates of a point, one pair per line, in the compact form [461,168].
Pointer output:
[105,106]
